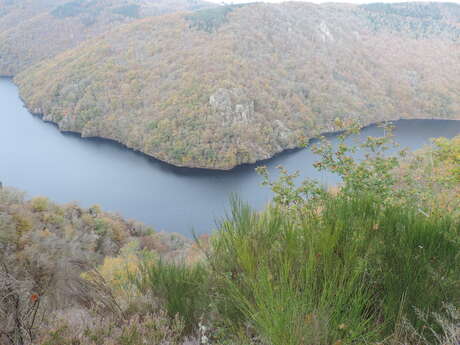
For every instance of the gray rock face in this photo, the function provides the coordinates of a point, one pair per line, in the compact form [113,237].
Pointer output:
[67,123]
[282,132]
[233,105]
[221,100]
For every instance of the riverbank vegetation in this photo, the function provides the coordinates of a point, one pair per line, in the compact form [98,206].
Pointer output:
[367,263]
[231,85]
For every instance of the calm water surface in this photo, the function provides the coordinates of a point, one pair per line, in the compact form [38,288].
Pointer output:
[37,158]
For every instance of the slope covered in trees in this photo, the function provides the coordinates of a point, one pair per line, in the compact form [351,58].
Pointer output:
[231,85]
[14,11]
[32,30]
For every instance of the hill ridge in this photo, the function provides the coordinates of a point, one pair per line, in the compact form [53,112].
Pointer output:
[258,79]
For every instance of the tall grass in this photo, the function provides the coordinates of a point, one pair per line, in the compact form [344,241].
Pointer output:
[342,272]
[180,289]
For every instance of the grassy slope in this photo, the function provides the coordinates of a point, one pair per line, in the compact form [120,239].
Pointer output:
[341,271]
[347,267]
[230,86]
[34,30]
[340,274]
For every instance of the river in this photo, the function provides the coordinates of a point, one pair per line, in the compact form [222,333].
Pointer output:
[37,158]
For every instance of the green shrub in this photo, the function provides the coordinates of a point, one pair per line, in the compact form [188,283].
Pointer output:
[181,289]
[343,272]
[40,204]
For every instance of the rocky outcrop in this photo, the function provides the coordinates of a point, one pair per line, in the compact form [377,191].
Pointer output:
[265,79]
[232,105]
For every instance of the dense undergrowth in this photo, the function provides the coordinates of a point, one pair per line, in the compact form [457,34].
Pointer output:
[369,263]
[342,272]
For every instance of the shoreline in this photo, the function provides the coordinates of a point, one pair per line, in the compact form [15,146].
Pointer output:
[185,168]
[236,167]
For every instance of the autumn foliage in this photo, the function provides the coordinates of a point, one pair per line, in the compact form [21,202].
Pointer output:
[226,86]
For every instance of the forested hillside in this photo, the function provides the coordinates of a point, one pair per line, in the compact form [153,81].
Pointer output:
[14,11]
[31,30]
[231,85]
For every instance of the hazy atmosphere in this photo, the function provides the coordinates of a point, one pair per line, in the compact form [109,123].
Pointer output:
[337,2]
[192,172]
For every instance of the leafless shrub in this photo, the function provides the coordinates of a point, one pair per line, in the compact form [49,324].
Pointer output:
[447,332]
[149,329]
[20,309]
[94,293]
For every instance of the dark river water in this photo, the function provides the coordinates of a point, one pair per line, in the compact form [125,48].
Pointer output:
[37,158]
